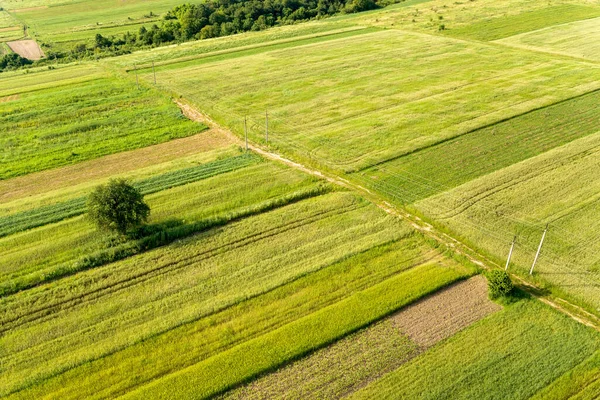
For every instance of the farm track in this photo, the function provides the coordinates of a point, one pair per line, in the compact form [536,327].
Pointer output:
[161,269]
[569,309]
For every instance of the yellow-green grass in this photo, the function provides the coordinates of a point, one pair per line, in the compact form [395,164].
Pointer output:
[69,322]
[511,354]
[239,364]
[501,27]
[27,258]
[67,124]
[24,4]
[581,383]
[559,187]
[198,340]
[578,39]
[481,19]
[357,101]
[244,41]
[446,165]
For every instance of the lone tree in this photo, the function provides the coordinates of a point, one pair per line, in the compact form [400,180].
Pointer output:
[117,206]
[499,284]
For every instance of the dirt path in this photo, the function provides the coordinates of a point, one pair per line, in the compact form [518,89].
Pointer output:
[571,310]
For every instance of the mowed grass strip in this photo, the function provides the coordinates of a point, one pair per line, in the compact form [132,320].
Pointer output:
[509,25]
[559,188]
[111,376]
[335,111]
[60,126]
[511,354]
[29,259]
[577,39]
[291,341]
[33,218]
[55,327]
[439,168]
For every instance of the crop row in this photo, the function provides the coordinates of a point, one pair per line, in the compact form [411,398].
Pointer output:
[123,303]
[200,339]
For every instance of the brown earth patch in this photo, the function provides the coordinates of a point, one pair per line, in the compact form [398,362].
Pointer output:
[26,48]
[446,312]
[103,167]
[9,98]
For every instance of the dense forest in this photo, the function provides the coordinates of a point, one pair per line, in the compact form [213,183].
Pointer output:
[215,18]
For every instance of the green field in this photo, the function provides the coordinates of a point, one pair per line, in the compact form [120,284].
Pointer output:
[66,124]
[577,39]
[359,116]
[511,354]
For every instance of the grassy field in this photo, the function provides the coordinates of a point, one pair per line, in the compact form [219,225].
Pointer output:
[560,188]
[441,167]
[333,110]
[66,124]
[511,354]
[116,305]
[481,20]
[29,259]
[577,39]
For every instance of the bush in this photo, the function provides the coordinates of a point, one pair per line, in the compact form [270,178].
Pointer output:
[499,284]
[117,206]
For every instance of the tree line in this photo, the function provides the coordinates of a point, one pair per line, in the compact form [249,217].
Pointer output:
[214,18]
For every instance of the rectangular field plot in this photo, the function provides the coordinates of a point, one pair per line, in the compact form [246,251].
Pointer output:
[64,122]
[441,167]
[578,39]
[511,354]
[559,188]
[53,328]
[362,100]
[345,366]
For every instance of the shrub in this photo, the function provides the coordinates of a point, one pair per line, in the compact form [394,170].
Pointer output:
[117,206]
[499,284]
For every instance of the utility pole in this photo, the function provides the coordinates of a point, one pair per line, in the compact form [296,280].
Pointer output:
[267,126]
[137,81]
[154,72]
[538,250]
[246,132]
[512,246]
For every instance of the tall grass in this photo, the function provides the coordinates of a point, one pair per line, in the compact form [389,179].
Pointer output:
[291,341]
[197,340]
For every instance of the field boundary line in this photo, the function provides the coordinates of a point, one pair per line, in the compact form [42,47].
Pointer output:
[569,309]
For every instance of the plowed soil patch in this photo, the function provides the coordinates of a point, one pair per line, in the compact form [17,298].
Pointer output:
[103,167]
[26,48]
[445,313]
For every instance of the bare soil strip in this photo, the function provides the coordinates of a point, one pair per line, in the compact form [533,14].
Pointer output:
[27,48]
[353,362]
[446,312]
[103,167]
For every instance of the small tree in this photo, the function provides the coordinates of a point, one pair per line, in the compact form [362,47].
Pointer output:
[499,284]
[117,206]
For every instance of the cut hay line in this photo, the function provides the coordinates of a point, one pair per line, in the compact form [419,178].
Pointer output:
[27,9]
[7,99]
[353,362]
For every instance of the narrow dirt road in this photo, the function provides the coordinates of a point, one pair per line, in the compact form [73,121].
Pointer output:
[571,310]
